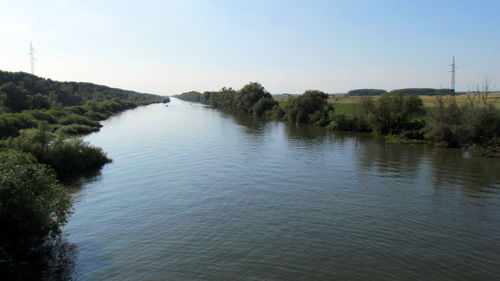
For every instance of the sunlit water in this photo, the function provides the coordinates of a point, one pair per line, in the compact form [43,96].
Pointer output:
[196,194]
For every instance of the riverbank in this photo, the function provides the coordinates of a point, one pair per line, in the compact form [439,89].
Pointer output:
[41,122]
[198,193]
[452,121]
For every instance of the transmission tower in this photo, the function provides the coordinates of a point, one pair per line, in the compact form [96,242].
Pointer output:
[453,68]
[31,54]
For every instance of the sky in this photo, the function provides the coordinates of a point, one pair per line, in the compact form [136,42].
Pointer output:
[170,47]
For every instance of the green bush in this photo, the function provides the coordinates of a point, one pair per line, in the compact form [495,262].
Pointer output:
[73,155]
[79,119]
[392,114]
[42,115]
[262,105]
[33,207]
[11,123]
[456,125]
[64,154]
[97,116]
[341,122]
[311,107]
[363,110]
[76,129]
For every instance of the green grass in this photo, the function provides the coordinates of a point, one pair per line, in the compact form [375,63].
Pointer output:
[282,103]
[344,108]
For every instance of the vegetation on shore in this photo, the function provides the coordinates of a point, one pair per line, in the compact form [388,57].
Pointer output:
[399,116]
[409,91]
[33,208]
[69,107]
[40,121]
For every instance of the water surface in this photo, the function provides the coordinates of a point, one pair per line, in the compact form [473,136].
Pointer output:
[196,194]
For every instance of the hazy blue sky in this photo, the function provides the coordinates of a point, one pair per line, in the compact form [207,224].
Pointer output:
[289,46]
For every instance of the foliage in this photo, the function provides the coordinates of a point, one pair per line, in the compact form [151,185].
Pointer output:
[252,98]
[33,207]
[28,100]
[311,107]
[64,154]
[362,114]
[40,101]
[74,120]
[78,119]
[14,98]
[341,122]
[457,125]
[66,93]
[424,91]
[366,92]
[392,114]
[11,123]
[190,96]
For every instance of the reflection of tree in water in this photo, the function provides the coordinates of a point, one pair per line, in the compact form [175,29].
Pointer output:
[444,167]
[254,125]
[55,261]
[61,256]
[75,182]
[477,176]
[388,160]
[57,258]
[307,133]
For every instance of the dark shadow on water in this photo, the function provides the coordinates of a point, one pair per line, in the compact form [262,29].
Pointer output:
[61,260]
[75,182]
[55,262]
[252,124]
[478,176]
[445,167]
[389,160]
[306,133]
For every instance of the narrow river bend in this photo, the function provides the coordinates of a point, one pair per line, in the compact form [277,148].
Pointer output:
[196,194]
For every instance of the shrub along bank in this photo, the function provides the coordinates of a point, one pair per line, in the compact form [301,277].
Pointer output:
[39,119]
[398,116]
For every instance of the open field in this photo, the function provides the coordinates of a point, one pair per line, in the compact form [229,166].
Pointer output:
[345,104]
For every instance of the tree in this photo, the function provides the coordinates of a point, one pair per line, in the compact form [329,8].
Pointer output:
[312,107]
[361,115]
[33,206]
[249,95]
[40,101]
[15,97]
[392,113]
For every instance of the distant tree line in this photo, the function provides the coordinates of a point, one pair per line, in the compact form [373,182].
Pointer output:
[409,91]
[424,91]
[366,92]
[39,119]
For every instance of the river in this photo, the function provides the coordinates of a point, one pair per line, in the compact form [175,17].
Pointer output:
[197,194]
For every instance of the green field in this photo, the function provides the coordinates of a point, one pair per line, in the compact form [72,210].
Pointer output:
[344,108]
[345,105]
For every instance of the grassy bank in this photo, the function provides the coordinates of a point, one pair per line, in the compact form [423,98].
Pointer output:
[40,124]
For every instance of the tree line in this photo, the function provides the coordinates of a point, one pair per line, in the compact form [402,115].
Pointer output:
[398,115]
[40,121]
[409,91]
